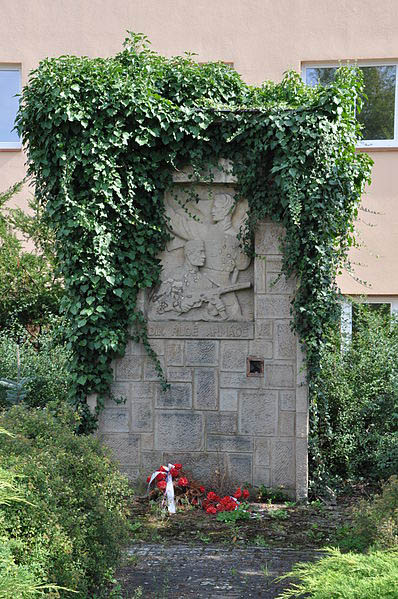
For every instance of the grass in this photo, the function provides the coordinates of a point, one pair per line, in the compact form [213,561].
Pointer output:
[346,576]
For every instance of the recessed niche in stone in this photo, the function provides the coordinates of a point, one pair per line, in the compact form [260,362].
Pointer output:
[254,366]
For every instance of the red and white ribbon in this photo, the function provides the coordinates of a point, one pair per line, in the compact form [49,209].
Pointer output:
[169,490]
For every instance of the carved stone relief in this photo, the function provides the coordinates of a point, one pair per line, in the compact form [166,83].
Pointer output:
[206,275]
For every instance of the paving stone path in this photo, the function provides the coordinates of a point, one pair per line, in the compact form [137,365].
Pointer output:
[184,572]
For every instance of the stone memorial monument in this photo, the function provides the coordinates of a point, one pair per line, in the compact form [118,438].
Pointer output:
[220,324]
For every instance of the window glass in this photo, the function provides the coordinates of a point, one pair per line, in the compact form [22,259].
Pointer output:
[9,86]
[378,112]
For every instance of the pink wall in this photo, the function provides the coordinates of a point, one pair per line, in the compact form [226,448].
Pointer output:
[263,38]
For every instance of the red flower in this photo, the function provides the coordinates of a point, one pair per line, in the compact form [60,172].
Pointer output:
[211,510]
[148,479]
[202,489]
[174,472]
[182,482]
[178,466]
[162,469]
[161,485]
[238,493]
[220,507]
[205,504]
[161,476]
[245,494]
[212,496]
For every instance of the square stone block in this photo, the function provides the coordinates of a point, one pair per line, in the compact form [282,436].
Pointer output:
[178,431]
[262,452]
[228,400]
[283,463]
[201,352]
[114,420]
[233,355]
[141,390]
[259,274]
[269,238]
[205,389]
[261,349]
[179,395]
[132,472]
[274,264]
[264,329]
[204,467]
[174,353]
[287,400]
[129,368]
[141,416]
[179,374]
[301,369]
[301,469]
[150,372]
[302,398]
[124,447]
[258,412]
[147,441]
[261,476]
[286,424]
[150,462]
[279,375]
[158,346]
[272,306]
[236,443]
[302,424]
[119,391]
[221,423]
[286,341]
[135,349]
[277,283]
[240,468]
[239,380]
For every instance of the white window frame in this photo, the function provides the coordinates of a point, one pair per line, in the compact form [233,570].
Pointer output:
[346,312]
[11,145]
[364,143]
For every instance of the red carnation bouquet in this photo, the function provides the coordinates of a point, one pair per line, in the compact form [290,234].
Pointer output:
[185,490]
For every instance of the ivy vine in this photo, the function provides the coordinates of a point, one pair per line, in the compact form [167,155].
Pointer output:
[103,137]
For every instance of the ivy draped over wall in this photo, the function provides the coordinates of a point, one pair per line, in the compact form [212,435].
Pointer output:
[102,138]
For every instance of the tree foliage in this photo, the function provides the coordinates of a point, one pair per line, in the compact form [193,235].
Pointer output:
[103,136]
[30,291]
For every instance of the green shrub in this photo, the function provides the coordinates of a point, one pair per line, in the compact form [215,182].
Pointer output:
[45,363]
[16,580]
[30,291]
[77,524]
[376,521]
[346,576]
[358,383]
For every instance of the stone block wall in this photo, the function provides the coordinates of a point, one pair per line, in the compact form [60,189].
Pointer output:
[215,417]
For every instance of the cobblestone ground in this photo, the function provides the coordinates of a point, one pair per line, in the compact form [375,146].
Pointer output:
[183,571]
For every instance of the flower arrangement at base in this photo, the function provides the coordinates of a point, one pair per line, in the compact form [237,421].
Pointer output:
[174,487]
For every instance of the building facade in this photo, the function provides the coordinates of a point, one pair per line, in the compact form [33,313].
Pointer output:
[261,39]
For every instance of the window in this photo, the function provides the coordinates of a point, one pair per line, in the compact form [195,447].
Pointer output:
[379,115]
[349,314]
[10,85]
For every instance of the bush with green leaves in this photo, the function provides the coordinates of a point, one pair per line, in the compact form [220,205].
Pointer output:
[30,291]
[43,365]
[375,522]
[19,581]
[103,136]
[358,384]
[75,524]
[346,576]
